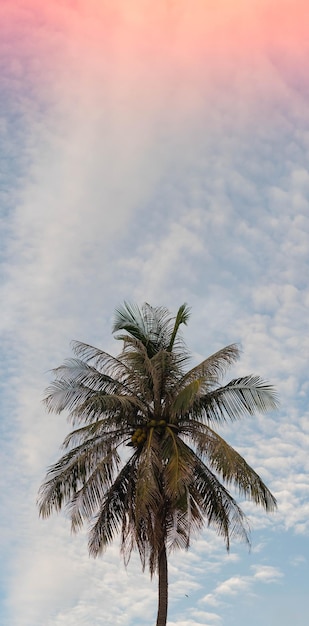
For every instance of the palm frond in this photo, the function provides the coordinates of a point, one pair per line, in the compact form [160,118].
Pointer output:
[82,372]
[166,369]
[85,404]
[148,494]
[178,470]
[149,325]
[152,326]
[184,520]
[231,466]
[242,396]
[158,322]
[186,397]
[116,505]
[71,472]
[213,368]
[178,531]
[129,317]
[182,317]
[101,360]
[87,500]
[102,429]
[218,507]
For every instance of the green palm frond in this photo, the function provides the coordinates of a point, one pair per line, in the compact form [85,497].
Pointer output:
[185,519]
[75,371]
[139,364]
[115,506]
[240,397]
[178,531]
[186,397]
[182,317]
[85,404]
[97,429]
[101,360]
[218,507]
[213,368]
[71,472]
[149,325]
[79,371]
[178,470]
[148,483]
[116,408]
[87,500]
[167,370]
[230,465]
[129,317]
[152,326]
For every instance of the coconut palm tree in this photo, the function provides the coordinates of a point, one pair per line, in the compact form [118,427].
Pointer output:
[143,459]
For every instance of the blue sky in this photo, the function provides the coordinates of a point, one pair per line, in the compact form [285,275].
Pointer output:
[166,171]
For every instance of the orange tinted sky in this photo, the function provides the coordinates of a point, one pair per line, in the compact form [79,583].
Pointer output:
[141,42]
[181,26]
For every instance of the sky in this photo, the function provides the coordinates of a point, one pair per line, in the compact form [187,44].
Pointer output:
[154,151]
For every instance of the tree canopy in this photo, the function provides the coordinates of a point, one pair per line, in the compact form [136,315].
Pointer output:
[144,459]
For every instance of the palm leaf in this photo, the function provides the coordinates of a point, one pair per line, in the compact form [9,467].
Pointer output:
[98,429]
[231,466]
[219,508]
[186,397]
[240,397]
[87,500]
[100,359]
[213,368]
[149,325]
[182,317]
[86,404]
[178,470]
[72,471]
[147,491]
[116,505]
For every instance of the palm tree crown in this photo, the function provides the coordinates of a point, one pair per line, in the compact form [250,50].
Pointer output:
[176,472]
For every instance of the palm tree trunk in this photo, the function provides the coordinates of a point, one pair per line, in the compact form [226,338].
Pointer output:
[163,585]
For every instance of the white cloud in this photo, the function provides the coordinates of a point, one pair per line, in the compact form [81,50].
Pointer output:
[267,573]
[208,618]
[233,586]
[226,590]
[298,560]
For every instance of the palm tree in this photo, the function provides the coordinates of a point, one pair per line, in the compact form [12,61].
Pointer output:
[143,459]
